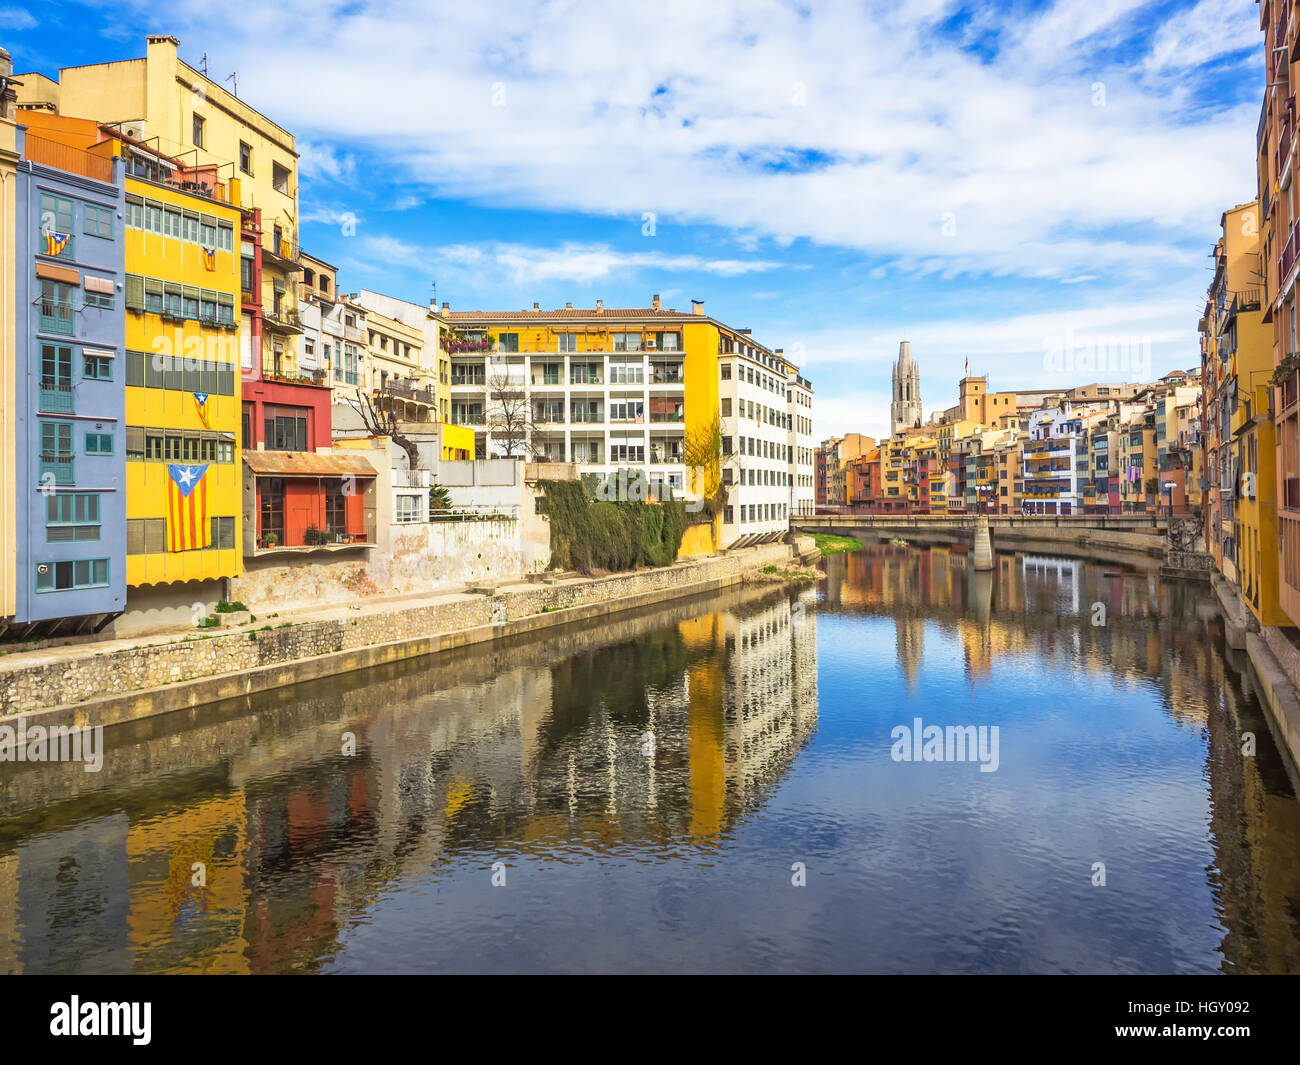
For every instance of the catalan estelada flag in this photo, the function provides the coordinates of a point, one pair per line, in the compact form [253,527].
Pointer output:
[55,242]
[187,508]
[210,259]
[201,402]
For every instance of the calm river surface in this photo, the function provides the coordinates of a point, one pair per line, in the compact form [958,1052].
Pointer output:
[706,787]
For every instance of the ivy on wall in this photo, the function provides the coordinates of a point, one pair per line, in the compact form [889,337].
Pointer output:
[588,535]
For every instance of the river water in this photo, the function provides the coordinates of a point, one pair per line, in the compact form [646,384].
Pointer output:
[715,785]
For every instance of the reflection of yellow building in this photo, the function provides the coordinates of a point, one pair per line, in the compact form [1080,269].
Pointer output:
[187,872]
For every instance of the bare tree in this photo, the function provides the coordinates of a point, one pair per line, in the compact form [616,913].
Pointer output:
[509,416]
[384,423]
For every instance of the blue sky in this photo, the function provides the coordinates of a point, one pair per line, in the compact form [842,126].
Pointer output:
[984,179]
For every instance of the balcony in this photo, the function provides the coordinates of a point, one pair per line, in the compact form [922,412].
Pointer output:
[284,321]
[667,417]
[468,380]
[1287,259]
[57,317]
[1285,135]
[56,397]
[57,464]
[410,392]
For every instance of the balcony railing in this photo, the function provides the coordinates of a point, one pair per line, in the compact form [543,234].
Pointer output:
[56,397]
[667,417]
[64,157]
[470,381]
[1287,259]
[57,317]
[58,464]
[1285,135]
[409,392]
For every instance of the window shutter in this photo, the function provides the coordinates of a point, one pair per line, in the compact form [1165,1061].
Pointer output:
[134,292]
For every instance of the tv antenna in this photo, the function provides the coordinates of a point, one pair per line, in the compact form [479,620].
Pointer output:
[234,77]
[203,64]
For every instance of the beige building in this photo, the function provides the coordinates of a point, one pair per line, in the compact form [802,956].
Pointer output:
[181,112]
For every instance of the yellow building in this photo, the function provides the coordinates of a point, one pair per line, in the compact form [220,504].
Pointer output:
[180,112]
[183,383]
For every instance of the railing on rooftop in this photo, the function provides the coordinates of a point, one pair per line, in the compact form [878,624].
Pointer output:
[65,157]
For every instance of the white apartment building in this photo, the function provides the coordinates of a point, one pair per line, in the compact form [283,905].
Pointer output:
[608,389]
[1057,458]
[759,444]
[803,451]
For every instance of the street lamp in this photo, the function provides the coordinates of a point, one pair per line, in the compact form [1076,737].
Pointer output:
[1169,487]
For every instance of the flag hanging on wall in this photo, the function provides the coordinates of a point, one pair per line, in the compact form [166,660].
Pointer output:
[187,508]
[55,242]
[201,402]
[210,259]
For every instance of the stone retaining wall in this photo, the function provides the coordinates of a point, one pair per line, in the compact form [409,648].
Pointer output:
[123,684]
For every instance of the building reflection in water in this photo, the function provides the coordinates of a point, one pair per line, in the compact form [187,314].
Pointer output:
[243,838]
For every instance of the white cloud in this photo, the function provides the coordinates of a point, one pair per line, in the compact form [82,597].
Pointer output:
[522,264]
[892,129]
[1211,29]
[13,18]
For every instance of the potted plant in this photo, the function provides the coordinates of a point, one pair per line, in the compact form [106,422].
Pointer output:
[271,539]
[313,535]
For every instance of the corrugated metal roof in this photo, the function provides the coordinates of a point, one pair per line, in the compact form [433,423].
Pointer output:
[308,463]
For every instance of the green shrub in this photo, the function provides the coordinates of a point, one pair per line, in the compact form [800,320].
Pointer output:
[589,534]
[225,607]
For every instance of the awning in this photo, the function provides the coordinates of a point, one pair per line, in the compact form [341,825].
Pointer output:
[308,464]
[66,274]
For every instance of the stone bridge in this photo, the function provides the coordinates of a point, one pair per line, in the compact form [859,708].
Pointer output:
[1085,534]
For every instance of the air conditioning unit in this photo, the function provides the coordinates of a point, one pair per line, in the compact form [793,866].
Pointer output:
[651,343]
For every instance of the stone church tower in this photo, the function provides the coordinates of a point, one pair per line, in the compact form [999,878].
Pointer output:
[905,409]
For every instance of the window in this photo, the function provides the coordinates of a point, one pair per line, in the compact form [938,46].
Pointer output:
[279,177]
[99,443]
[97,367]
[99,221]
[225,236]
[102,300]
[56,368]
[71,517]
[409,508]
[197,134]
[134,212]
[146,536]
[223,534]
[726,371]
[246,275]
[508,342]
[245,157]
[56,307]
[56,214]
[62,576]
[567,342]
[285,429]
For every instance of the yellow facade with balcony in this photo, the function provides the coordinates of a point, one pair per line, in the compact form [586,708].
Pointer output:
[182,315]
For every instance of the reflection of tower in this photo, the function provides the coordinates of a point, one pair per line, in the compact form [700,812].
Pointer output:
[905,408]
[910,633]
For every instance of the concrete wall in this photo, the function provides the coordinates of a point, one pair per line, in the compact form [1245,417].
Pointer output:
[425,557]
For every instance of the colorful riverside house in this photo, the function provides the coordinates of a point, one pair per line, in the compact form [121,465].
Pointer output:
[10,155]
[179,111]
[1237,365]
[183,396]
[64,388]
[180,369]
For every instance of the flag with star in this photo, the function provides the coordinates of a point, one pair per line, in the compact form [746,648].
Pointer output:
[210,259]
[55,242]
[201,403]
[188,527]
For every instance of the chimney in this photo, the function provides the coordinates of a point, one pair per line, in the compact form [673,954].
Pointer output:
[697,306]
[568,306]
[536,307]
[600,306]
[654,301]
[446,307]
